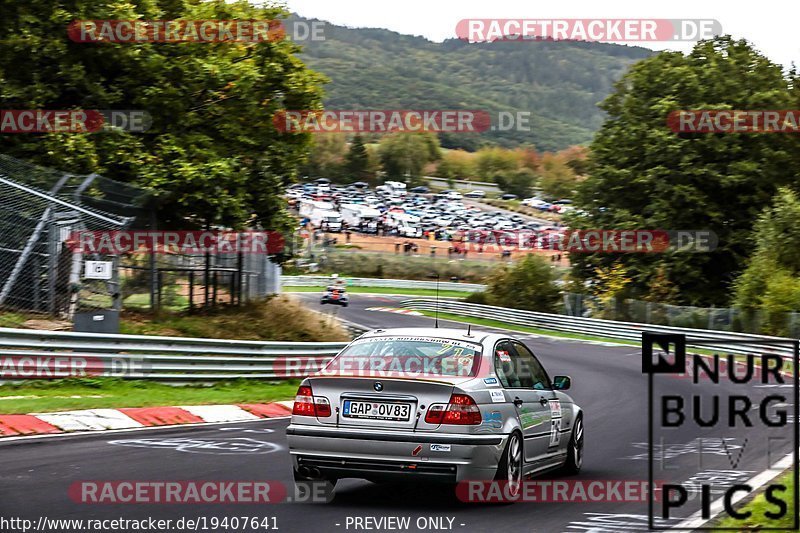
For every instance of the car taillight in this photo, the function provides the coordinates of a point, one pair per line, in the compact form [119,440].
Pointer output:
[435,413]
[461,410]
[306,404]
[323,406]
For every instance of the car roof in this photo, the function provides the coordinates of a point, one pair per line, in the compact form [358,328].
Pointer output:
[477,336]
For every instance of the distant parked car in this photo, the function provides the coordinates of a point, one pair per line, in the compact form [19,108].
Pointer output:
[419,190]
[476,194]
[360,185]
[508,197]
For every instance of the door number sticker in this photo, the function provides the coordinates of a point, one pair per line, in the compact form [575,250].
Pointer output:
[555,422]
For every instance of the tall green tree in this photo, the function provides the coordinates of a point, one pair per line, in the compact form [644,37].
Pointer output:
[404,155]
[776,240]
[645,176]
[558,180]
[212,153]
[520,181]
[326,158]
[357,160]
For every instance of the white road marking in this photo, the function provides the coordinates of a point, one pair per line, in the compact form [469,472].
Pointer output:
[219,413]
[89,420]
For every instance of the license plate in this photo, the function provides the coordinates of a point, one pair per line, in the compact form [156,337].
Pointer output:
[376,410]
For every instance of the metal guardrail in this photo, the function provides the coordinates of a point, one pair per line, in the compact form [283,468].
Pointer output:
[52,354]
[315,281]
[603,328]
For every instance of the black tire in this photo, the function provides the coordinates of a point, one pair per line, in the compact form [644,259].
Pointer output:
[574,460]
[509,470]
[344,305]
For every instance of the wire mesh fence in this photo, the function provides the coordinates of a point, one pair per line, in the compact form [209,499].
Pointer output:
[785,324]
[181,281]
[45,267]
[40,212]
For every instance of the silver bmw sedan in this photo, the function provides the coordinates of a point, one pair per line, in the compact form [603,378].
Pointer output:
[434,404]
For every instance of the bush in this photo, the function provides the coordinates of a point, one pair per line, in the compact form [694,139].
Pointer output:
[477,298]
[529,284]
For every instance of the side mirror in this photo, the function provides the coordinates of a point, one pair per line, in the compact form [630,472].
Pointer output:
[562,382]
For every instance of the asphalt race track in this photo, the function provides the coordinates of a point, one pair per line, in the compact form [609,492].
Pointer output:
[608,383]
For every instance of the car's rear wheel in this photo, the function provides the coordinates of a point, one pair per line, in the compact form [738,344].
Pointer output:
[575,448]
[510,468]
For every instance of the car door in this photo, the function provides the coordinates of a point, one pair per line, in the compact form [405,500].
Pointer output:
[533,413]
[546,395]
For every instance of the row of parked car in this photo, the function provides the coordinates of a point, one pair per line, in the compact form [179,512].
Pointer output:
[389,209]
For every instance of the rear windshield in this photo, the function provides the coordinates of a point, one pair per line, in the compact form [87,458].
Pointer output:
[408,355]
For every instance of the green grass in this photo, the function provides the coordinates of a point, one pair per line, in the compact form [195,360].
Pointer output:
[386,290]
[10,319]
[759,505]
[549,332]
[280,318]
[93,393]
[169,301]
[526,329]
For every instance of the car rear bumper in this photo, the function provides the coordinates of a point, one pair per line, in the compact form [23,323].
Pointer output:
[335,302]
[395,455]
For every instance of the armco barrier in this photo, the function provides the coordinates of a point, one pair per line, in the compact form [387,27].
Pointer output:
[50,354]
[317,281]
[600,328]
[176,359]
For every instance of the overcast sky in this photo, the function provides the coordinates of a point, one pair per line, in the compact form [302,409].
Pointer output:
[770,25]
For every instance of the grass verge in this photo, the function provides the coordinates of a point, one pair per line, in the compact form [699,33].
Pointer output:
[281,318]
[526,329]
[94,393]
[386,290]
[758,506]
[549,332]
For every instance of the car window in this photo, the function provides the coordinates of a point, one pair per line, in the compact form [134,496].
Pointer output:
[409,355]
[530,369]
[504,366]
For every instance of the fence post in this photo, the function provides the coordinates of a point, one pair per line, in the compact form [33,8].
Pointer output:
[214,292]
[52,264]
[239,270]
[191,290]
[154,281]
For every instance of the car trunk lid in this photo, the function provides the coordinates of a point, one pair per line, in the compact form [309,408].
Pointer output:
[381,402]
